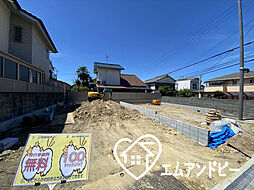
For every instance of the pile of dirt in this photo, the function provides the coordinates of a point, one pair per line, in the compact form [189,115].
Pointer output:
[100,110]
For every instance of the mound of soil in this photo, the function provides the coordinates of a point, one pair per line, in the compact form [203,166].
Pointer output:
[100,110]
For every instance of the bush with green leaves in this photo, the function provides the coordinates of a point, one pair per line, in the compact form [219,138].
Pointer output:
[79,88]
[167,91]
[185,93]
[219,95]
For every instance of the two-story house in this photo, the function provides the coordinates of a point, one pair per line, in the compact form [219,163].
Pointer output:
[109,76]
[230,83]
[25,45]
[186,83]
[163,80]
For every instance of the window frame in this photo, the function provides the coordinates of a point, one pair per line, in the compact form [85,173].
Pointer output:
[5,67]
[18,39]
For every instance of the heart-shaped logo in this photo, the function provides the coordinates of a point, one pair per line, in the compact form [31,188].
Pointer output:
[149,154]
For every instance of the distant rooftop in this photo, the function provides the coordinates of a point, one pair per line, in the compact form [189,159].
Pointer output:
[131,81]
[232,76]
[107,65]
[158,78]
[183,79]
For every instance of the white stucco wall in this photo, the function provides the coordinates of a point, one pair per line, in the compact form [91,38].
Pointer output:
[187,84]
[5,16]
[39,56]
[110,76]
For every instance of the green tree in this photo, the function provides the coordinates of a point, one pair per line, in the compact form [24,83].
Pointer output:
[84,82]
[185,93]
[167,91]
[84,76]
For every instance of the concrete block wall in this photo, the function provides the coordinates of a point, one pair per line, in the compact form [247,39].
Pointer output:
[135,96]
[226,106]
[145,111]
[14,122]
[194,108]
[195,133]
[16,104]
[78,97]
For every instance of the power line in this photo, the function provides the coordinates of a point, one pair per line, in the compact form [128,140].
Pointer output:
[226,67]
[217,64]
[205,30]
[196,73]
[219,54]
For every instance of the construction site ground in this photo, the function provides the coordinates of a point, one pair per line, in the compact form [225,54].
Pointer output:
[244,142]
[109,122]
[187,116]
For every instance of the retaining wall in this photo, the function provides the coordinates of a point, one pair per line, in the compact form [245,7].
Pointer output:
[14,122]
[16,104]
[224,105]
[195,133]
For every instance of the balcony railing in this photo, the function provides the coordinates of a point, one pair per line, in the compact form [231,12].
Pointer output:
[245,84]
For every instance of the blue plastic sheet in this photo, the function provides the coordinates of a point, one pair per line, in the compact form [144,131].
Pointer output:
[220,137]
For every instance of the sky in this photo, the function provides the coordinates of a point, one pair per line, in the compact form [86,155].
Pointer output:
[147,37]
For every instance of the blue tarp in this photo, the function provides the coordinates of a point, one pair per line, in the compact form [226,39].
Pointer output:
[218,138]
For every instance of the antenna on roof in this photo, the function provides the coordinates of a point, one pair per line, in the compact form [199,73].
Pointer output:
[107,58]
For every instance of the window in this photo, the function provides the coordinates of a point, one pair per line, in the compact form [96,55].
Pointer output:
[194,86]
[18,34]
[10,69]
[1,66]
[34,76]
[252,81]
[23,73]
[234,82]
[39,77]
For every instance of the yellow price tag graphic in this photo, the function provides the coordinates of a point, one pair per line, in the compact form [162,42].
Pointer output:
[53,158]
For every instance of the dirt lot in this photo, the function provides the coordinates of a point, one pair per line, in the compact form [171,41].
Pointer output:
[243,141]
[109,122]
[187,116]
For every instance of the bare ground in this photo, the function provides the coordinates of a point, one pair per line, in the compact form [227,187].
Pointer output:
[109,122]
[187,116]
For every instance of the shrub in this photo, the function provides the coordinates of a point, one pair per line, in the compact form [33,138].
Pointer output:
[219,95]
[80,88]
[185,93]
[167,91]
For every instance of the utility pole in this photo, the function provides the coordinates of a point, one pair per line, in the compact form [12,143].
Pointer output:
[199,94]
[240,110]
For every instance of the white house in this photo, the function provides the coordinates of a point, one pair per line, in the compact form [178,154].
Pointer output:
[192,84]
[24,45]
[109,76]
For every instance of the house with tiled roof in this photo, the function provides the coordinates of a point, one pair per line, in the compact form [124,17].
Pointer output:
[230,83]
[109,76]
[163,80]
